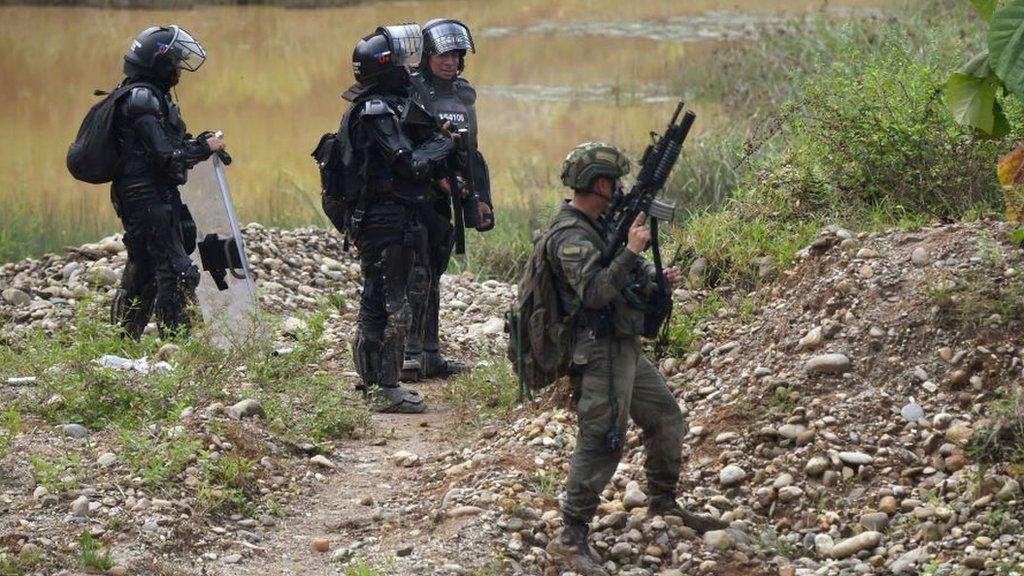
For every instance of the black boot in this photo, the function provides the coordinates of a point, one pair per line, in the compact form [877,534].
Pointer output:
[433,365]
[666,505]
[570,551]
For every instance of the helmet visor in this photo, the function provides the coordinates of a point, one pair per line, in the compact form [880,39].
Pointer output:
[187,50]
[406,42]
[448,36]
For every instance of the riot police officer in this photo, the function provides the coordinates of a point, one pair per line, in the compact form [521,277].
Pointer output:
[398,153]
[156,152]
[440,87]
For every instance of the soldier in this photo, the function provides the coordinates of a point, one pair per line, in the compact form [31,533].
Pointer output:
[155,155]
[612,379]
[450,97]
[398,154]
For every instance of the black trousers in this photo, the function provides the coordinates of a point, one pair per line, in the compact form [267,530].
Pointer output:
[390,245]
[439,241]
[159,276]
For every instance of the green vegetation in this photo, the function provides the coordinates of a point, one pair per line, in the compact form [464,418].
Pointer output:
[1003,440]
[482,394]
[92,555]
[143,412]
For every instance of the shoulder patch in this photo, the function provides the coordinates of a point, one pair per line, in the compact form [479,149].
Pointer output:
[571,250]
[142,101]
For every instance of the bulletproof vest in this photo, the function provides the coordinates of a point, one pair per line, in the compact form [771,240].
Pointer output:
[454,101]
[381,181]
[137,169]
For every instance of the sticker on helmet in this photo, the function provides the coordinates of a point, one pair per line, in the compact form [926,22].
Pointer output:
[383,57]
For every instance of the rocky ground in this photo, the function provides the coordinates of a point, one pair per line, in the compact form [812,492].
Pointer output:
[860,413]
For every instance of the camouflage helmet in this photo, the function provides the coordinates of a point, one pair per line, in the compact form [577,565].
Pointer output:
[591,159]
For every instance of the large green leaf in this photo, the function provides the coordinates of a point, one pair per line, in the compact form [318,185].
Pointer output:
[977,66]
[1006,45]
[972,100]
[985,8]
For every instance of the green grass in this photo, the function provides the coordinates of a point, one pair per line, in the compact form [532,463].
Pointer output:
[297,391]
[92,555]
[482,394]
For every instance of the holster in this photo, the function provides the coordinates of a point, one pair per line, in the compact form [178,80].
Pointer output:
[187,226]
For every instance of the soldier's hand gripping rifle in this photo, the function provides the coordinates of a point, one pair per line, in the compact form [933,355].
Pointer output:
[655,166]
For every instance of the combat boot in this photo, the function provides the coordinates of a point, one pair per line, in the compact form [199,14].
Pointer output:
[570,551]
[394,399]
[412,367]
[666,505]
[433,365]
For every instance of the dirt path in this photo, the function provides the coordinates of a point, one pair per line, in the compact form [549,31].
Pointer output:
[375,511]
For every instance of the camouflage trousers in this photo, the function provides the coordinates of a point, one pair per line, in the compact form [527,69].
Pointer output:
[642,395]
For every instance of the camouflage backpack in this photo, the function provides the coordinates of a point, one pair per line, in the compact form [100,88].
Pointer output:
[540,330]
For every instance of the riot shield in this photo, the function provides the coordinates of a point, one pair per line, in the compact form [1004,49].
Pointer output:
[226,292]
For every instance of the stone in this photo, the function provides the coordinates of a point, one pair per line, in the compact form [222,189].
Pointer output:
[791,431]
[828,364]
[812,339]
[621,550]
[405,459]
[80,507]
[959,435]
[856,458]
[850,546]
[790,494]
[634,496]
[912,412]
[246,408]
[232,558]
[1011,490]
[955,461]
[167,351]
[816,466]
[732,475]
[118,571]
[888,505]
[40,492]
[107,459]
[322,461]
[320,544]
[719,540]
[460,511]
[75,430]
[919,257]
[16,297]
[875,521]
[823,545]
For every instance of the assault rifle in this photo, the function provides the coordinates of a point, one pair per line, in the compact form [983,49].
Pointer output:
[465,202]
[655,167]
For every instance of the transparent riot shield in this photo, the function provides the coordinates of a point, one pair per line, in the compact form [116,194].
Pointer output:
[226,292]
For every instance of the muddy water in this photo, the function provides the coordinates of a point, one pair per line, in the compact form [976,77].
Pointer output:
[549,75]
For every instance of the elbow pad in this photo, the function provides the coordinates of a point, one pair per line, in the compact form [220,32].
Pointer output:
[430,154]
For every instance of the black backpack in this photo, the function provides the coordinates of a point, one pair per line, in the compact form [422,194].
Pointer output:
[340,184]
[94,156]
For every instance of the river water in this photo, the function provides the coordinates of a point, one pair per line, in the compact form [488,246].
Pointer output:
[549,75]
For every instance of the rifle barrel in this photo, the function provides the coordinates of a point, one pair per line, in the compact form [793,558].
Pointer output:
[679,109]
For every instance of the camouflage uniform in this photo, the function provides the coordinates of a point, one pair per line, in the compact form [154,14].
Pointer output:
[607,339]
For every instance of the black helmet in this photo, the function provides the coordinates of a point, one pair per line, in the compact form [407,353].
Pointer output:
[386,54]
[442,35]
[159,51]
